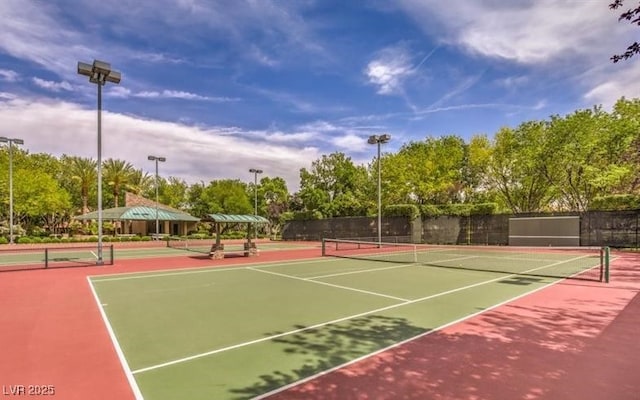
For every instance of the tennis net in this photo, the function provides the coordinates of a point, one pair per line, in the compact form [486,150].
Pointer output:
[577,263]
[21,258]
[195,245]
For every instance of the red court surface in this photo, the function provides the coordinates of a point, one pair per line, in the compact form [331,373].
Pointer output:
[573,340]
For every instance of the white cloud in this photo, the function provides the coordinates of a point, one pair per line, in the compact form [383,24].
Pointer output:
[610,86]
[528,32]
[30,31]
[351,142]
[53,86]
[283,137]
[122,92]
[193,153]
[389,69]
[565,40]
[9,75]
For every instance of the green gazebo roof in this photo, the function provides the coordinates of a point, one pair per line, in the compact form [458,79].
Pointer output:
[234,218]
[138,213]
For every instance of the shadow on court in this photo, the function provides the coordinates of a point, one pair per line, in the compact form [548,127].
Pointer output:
[331,346]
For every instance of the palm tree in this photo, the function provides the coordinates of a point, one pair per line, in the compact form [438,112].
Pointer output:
[140,182]
[83,172]
[118,175]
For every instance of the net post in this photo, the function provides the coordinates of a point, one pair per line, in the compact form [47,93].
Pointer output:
[607,258]
[111,253]
[324,243]
[601,265]
[46,257]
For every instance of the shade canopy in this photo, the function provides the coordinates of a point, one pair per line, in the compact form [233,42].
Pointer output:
[139,213]
[235,218]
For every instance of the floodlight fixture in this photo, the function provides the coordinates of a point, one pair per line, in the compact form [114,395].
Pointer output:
[99,72]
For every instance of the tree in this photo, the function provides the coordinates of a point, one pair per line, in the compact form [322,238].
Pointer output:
[82,174]
[141,183]
[173,192]
[633,16]
[273,201]
[585,159]
[429,171]
[228,196]
[516,167]
[196,204]
[37,195]
[117,174]
[334,186]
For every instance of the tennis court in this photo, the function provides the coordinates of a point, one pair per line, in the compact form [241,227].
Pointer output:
[249,331]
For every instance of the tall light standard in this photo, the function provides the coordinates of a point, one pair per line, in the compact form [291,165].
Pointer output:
[379,139]
[99,73]
[255,173]
[157,159]
[11,143]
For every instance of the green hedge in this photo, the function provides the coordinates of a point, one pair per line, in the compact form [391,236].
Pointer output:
[615,202]
[458,209]
[401,210]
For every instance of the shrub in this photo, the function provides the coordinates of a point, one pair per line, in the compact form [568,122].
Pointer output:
[136,238]
[307,215]
[429,210]
[3,240]
[145,238]
[615,202]
[401,210]
[24,240]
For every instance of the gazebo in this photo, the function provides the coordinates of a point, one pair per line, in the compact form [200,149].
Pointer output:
[250,248]
[140,220]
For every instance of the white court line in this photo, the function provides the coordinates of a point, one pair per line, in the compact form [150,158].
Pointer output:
[329,284]
[335,321]
[203,270]
[386,268]
[123,361]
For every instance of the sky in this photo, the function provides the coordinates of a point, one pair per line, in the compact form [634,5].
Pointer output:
[221,86]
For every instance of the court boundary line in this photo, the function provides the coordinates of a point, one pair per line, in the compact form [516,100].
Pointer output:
[133,384]
[321,324]
[331,284]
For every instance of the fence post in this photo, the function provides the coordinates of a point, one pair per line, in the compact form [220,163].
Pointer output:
[46,257]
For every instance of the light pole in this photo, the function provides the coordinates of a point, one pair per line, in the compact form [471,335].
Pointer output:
[99,73]
[255,173]
[375,139]
[11,143]
[157,159]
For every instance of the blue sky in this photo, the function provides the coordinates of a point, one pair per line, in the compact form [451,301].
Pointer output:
[218,87]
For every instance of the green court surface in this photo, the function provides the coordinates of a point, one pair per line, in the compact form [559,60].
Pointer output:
[242,332]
